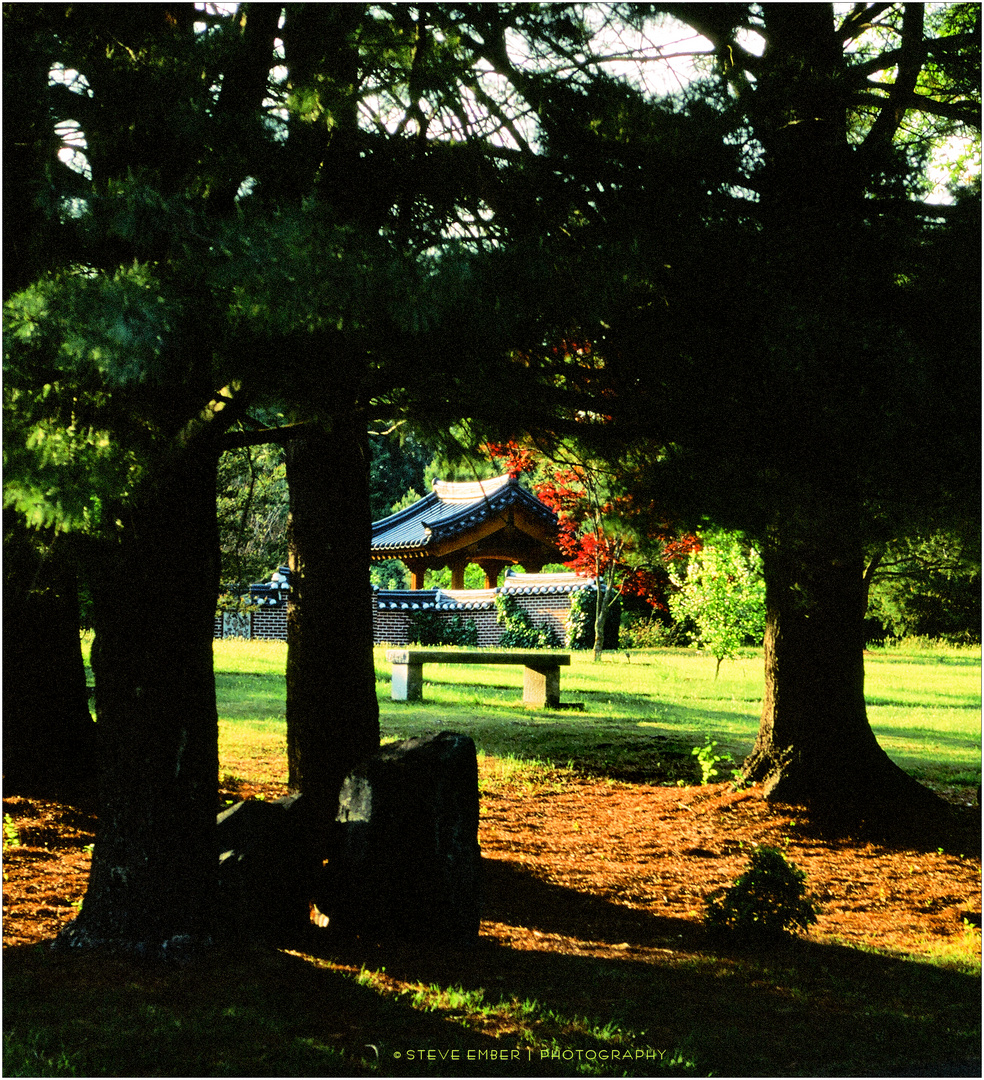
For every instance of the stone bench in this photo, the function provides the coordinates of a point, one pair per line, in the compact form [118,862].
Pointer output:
[541,677]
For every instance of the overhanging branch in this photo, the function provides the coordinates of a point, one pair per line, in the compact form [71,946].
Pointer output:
[236,440]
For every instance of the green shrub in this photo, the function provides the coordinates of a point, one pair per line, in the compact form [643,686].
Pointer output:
[709,759]
[11,834]
[580,630]
[462,631]
[647,632]
[230,602]
[521,632]
[767,901]
[432,628]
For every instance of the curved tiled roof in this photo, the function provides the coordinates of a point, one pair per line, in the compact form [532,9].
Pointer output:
[453,508]
[564,581]
[478,599]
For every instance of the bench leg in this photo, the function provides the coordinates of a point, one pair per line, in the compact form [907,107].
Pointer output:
[541,687]
[408,682]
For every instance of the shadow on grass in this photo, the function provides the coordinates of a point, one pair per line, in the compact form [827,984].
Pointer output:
[795,1008]
[247,1012]
[606,977]
[649,747]
[939,739]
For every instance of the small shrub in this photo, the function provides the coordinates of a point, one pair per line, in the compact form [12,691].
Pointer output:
[462,631]
[11,834]
[425,628]
[709,759]
[430,628]
[646,632]
[768,901]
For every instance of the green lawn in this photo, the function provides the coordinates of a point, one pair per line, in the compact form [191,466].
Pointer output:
[642,711]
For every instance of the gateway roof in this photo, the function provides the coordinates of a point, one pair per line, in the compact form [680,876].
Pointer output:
[452,509]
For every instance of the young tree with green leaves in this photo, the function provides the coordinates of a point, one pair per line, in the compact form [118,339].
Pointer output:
[722,593]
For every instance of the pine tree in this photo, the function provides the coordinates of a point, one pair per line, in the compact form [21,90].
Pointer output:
[795,361]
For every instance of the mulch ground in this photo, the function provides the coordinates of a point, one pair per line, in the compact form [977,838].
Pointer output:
[597,861]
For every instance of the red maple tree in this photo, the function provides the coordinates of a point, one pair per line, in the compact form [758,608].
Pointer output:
[599,531]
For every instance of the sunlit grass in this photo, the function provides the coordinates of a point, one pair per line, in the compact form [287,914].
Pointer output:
[924,707]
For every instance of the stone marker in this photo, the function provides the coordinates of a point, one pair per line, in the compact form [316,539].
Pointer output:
[266,870]
[405,862]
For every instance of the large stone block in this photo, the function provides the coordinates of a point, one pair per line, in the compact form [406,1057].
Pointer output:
[267,869]
[405,862]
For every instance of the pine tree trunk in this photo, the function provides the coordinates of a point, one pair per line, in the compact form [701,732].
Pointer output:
[815,744]
[153,881]
[49,739]
[332,712]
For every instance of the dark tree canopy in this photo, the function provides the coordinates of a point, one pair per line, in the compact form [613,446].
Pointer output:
[246,214]
[799,356]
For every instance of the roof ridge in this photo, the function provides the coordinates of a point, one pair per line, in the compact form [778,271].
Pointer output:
[470,490]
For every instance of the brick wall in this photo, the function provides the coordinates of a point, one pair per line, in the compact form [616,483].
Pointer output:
[270,623]
[267,624]
[392,627]
[390,624]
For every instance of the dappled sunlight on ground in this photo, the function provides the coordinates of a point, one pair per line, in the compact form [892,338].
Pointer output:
[585,866]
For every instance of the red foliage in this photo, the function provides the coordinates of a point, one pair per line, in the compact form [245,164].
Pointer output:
[680,546]
[585,535]
[517,459]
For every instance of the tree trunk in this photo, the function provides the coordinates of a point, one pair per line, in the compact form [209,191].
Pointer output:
[601,615]
[49,739]
[332,712]
[606,600]
[815,744]
[153,881]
